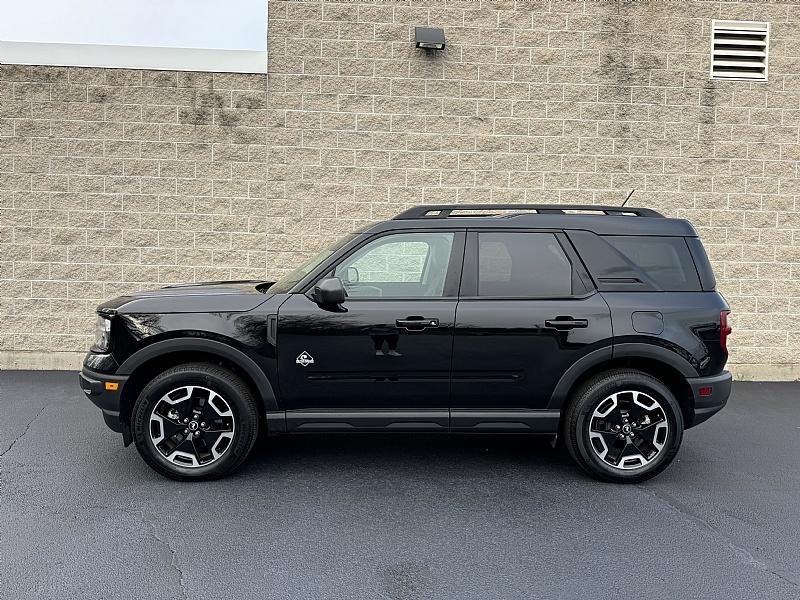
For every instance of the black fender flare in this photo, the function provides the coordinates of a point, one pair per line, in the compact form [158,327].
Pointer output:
[654,352]
[247,364]
[607,353]
[575,372]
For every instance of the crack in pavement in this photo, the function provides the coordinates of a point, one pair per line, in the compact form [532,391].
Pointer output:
[24,431]
[742,553]
[173,555]
[140,515]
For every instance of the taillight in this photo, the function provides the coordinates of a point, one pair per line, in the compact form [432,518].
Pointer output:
[724,329]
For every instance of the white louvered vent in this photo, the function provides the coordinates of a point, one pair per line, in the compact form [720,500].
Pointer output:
[739,50]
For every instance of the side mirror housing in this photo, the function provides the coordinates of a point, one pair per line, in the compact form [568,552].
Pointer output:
[329,292]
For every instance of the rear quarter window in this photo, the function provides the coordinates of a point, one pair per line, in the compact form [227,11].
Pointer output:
[666,261]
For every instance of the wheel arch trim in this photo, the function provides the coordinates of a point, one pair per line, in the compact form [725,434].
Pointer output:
[657,353]
[608,353]
[248,365]
[575,372]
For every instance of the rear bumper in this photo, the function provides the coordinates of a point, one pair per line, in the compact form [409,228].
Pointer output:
[95,386]
[710,395]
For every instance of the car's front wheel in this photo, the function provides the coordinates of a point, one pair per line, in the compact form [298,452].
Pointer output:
[623,426]
[195,421]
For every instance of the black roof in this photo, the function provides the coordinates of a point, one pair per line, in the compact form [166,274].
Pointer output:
[603,220]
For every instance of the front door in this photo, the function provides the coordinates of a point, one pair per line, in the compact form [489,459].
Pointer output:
[526,314]
[389,346]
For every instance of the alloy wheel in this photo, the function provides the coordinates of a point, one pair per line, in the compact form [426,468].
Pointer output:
[628,429]
[192,426]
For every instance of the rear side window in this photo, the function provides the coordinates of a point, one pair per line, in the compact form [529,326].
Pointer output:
[522,265]
[665,260]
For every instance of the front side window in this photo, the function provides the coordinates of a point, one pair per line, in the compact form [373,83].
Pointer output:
[523,265]
[402,265]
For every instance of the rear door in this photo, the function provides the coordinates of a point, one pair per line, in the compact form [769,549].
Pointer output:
[527,311]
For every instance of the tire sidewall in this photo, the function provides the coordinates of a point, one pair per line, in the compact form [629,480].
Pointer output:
[169,381]
[632,382]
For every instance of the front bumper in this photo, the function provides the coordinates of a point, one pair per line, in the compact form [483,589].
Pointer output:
[105,391]
[710,395]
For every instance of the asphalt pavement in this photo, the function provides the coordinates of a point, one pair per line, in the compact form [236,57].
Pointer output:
[395,516]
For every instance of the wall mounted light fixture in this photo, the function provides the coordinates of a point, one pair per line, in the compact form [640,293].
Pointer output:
[429,38]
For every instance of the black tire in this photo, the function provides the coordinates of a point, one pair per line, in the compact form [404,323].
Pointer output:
[578,420]
[235,394]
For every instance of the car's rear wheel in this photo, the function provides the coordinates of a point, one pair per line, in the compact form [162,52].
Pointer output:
[195,421]
[623,426]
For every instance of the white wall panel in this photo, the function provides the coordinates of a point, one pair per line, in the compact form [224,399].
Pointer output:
[203,35]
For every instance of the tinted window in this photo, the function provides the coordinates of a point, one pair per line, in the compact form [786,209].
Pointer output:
[522,265]
[665,260]
[401,265]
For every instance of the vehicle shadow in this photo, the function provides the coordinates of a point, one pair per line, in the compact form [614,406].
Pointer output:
[410,454]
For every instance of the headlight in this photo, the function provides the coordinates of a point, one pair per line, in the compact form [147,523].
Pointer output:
[102,333]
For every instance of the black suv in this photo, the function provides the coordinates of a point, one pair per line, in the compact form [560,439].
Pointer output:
[600,325]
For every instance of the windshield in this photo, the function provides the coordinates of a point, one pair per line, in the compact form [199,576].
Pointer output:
[288,281]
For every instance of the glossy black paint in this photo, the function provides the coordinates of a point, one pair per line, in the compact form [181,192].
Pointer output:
[133,329]
[234,296]
[690,326]
[505,356]
[488,363]
[511,353]
[362,357]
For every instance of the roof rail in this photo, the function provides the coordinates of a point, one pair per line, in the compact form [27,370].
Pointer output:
[440,211]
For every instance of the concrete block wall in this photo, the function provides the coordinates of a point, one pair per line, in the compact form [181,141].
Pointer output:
[114,180]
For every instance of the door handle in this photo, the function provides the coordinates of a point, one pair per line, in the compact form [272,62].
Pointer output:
[563,323]
[417,323]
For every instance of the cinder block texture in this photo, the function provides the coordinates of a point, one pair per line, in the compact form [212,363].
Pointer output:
[115,180]
[112,180]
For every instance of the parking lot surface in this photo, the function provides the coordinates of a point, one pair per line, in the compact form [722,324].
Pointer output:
[395,516]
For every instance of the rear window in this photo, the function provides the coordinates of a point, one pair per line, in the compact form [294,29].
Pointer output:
[665,260]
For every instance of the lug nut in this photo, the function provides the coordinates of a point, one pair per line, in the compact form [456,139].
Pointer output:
[185,420]
[185,431]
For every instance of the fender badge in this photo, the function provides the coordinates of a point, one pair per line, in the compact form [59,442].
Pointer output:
[304,359]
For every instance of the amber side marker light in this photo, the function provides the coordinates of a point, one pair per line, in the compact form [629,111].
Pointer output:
[112,386]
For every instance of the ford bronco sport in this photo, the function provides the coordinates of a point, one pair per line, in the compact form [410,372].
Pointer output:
[598,324]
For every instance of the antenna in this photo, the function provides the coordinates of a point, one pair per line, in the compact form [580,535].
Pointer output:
[629,197]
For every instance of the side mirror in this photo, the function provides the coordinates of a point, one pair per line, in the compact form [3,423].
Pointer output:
[329,292]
